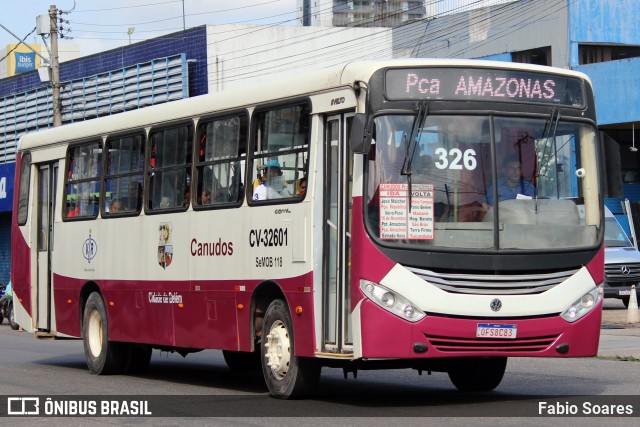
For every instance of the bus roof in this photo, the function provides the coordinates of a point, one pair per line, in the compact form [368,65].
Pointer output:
[266,91]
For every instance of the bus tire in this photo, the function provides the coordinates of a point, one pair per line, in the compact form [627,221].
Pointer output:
[12,318]
[103,357]
[240,361]
[287,376]
[478,373]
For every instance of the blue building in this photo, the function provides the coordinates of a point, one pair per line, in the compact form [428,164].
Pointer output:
[146,73]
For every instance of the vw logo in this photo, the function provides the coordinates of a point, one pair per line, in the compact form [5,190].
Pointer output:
[625,270]
[496,305]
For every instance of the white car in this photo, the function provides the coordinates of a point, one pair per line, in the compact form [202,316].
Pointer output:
[622,261]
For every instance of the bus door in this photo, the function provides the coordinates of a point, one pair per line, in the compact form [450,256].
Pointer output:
[46,196]
[338,166]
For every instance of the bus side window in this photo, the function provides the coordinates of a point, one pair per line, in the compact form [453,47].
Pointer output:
[169,167]
[221,145]
[124,175]
[281,150]
[82,189]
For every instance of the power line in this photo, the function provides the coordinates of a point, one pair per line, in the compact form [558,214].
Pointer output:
[126,7]
[17,45]
[330,31]
[177,17]
[521,9]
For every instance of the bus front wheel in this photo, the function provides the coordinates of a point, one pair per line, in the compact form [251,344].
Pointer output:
[478,373]
[287,376]
[103,356]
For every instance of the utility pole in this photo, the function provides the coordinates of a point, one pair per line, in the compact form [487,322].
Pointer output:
[55,67]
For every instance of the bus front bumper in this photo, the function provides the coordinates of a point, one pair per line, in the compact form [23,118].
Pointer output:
[384,335]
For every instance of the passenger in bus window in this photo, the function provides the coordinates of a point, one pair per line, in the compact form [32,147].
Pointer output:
[275,186]
[511,183]
[116,206]
[205,197]
[302,187]
[74,212]
[187,197]
[262,176]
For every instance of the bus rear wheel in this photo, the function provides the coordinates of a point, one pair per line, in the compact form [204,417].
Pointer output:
[287,376]
[478,373]
[103,356]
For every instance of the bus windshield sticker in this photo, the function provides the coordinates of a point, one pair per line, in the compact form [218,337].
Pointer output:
[165,245]
[396,221]
[477,84]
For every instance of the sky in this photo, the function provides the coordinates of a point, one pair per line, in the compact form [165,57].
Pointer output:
[101,25]
[96,25]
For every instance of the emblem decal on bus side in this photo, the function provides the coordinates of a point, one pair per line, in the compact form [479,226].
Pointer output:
[165,244]
[89,248]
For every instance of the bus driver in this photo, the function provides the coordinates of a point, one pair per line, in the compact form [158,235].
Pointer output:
[511,184]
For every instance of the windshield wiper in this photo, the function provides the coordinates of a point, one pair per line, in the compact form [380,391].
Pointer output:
[550,135]
[421,116]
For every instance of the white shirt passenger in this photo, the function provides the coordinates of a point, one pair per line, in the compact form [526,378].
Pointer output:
[265,191]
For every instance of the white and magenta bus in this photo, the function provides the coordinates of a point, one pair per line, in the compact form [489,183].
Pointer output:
[437,215]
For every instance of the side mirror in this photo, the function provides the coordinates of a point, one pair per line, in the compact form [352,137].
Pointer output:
[361,132]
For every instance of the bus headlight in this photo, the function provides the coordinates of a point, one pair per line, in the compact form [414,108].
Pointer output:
[583,306]
[391,301]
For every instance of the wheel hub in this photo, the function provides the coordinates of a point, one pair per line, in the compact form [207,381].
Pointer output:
[278,353]
[95,333]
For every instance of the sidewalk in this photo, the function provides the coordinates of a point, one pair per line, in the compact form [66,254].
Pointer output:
[617,337]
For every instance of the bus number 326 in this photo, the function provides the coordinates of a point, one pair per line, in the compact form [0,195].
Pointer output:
[268,237]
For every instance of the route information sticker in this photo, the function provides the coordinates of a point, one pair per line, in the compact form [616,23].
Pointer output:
[396,221]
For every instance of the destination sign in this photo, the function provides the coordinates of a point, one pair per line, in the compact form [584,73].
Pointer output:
[483,84]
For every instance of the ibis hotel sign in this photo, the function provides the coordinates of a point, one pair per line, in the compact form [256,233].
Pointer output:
[25,61]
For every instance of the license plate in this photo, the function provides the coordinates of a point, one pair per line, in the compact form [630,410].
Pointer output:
[624,292]
[493,330]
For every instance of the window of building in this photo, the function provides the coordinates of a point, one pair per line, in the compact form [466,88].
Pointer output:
[281,150]
[124,175]
[169,167]
[82,189]
[539,56]
[222,150]
[592,54]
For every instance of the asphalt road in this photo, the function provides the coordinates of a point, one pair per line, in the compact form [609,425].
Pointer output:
[201,383]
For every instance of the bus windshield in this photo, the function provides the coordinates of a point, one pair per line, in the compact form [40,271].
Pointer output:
[471,175]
